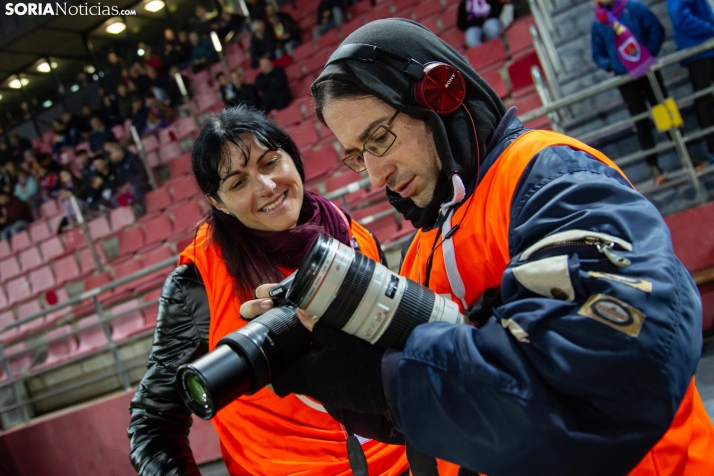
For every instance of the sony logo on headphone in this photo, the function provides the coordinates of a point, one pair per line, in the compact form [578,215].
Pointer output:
[449,81]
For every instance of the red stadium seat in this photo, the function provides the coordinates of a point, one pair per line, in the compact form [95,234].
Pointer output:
[49,209]
[5,250]
[7,317]
[20,241]
[343,179]
[30,259]
[426,9]
[158,229]
[52,249]
[129,322]
[19,360]
[295,71]
[26,310]
[330,38]
[39,231]
[150,143]
[67,269]
[151,310]
[205,102]
[9,268]
[157,200]
[519,35]
[184,187]
[495,80]
[290,115]
[42,279]
[121,217]
[315,63]
[305,50]
[53,298]
[73,239]
[186,216]
[169,152]
[61,344]
[520,70]
[455,39]
[91,335]
[130,240]
[184,127]
[157,278]
[398,7]
[301,89]
[181,165]
[99,227]
[125,269]
[319,163]
[486,55]
[353,25]
[361,8]
[304,135]
[379,12]
[86,262]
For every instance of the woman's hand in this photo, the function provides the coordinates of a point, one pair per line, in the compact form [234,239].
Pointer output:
[262,303]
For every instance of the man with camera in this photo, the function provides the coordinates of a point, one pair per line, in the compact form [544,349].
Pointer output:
[586,328]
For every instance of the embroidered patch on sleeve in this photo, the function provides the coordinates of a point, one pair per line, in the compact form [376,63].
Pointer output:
[614,313]
[641,284]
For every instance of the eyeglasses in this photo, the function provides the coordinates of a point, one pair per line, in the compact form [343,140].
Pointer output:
[377,144]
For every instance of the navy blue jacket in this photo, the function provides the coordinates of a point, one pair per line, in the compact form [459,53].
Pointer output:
[640,21]
[692,24]
[579,397]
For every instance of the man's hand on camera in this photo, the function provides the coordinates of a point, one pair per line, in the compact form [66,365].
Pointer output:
[345,372]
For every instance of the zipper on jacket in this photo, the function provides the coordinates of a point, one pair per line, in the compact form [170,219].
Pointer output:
[604,247]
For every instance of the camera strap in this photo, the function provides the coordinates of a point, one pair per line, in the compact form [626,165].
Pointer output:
[355,453]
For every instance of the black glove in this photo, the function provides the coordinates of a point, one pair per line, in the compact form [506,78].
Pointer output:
[345,372]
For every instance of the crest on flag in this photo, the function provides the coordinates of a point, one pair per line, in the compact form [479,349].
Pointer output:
[630,50]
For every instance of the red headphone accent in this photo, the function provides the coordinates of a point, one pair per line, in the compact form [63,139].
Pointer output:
[442,88]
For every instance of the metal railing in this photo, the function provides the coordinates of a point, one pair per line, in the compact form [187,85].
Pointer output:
[677,140]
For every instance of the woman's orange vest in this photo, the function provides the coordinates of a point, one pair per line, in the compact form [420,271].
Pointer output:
[262,434]
[687,448]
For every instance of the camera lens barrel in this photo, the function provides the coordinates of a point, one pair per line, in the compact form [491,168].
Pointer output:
[353,293]
[244,361]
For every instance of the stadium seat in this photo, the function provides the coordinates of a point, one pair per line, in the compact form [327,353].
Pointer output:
[495,80]
[448,17]
[319,163]
[20,241]
[343,179]
[184,187]
[151,310]
[30,259]
[455,38]
[67,269]
[150,143]
[153,159]
[157,278]
[302,51]
[186,216]
[379,12]
[169,152]
[520,70]
[184,127]
[433,24]
[5,250]
[398,7]
[301,89]
[9,268]
[129,322]
[99,227]
[304,135]
[367,214]
[58,297]
[123,270]
[353,25]
[158,229]
[290,115]
[294,72]
[26,310]
[42,279]
[205,102]
[487,55]
[52,249]
[6,318]
[181,165]
[49,209]
[39,231]
[86,262]
[121,217]
[130,240]
[119,132]
[157,200]
[61,344]
[315,63]
[216,68]
[166,136]
[4,304]
[19,359]
[330,38]
[91,335]
[361,8]
[426,9]
[519,35]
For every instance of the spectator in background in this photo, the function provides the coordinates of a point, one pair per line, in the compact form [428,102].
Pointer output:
[110,111]
[15,215]
[227,25]
[241,93]
[158,116]
[5,152]
[70,187]
[130,174]
[200,23]
[329,15]
[48,180]
[286,31]
[19,144]
[173,90]
[112,77]
[101,192]
[479,20]
[73,127]
[172,56]
[153,61]
[99,134]
[87,170]
[158,84]
[138,76]
[8,176]
[201,51]
[26,110]
[644,32]
[139,114]
[83,121]
[262,43]
[692,24]
[61,136]
[256,9]
[272,82]
[27,189]
[123,102]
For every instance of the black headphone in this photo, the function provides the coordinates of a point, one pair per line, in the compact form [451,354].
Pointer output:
[437,86]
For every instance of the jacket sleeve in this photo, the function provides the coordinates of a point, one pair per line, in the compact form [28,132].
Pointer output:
[684,20]
[583,366]
[160,421]
[599,48]
[653,29]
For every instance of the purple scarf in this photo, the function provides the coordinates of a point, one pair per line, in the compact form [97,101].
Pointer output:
[318,215]
[477,8]
[633,56]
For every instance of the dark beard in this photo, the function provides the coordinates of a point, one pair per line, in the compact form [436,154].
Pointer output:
[427,216]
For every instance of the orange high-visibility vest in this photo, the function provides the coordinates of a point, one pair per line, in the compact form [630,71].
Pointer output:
[262,434]
[687,448]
